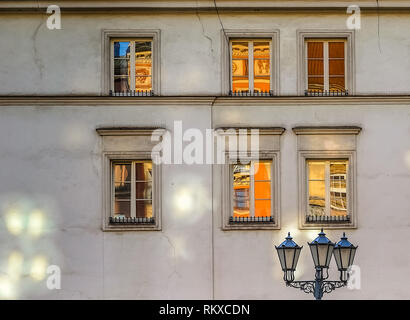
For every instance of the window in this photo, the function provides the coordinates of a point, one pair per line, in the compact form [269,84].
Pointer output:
[327,190]
[326,62]
[247,187]
[251,66]
[131,66]
[250,62]
[130,62]
[132,192]
[325,66]
[131,179]
[327,177]
[252,192]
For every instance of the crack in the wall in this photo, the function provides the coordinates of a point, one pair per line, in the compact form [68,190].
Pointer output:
[174,271]
[37,60]
[203,29]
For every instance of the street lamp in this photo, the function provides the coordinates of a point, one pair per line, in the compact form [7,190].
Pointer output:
[321,249]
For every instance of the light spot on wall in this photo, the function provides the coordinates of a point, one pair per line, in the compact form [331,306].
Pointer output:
[14,221]
[184,201]
[15,265]
[36,223]
[38,268]
[7,289]
[407,158]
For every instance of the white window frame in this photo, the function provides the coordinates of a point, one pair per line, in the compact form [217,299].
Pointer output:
[327,184]
[325,61]
[133,212]
[228,35]
[251,61]
[107,55]
[132,60]
[317,35]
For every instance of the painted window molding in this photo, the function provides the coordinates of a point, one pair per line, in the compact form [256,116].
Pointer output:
[326,37]
[127,150]
[327,177]
[257,207]
[250,37]
[147,67]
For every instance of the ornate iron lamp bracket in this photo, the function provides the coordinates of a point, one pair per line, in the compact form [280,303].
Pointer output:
[316,287]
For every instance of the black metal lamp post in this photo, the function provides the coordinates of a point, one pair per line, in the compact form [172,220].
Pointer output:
[321,249]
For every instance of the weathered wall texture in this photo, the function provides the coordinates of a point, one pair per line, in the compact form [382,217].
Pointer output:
[50,160]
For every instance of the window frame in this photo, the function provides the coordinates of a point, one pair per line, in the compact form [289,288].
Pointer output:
[251,62]
[228,35]
[316,35]
[107,66]
[325,61]
[227,192]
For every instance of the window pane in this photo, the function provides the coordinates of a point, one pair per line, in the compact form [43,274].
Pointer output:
[143,171]
[317,197]
[336,49]
[121,67]
[338,197]
[315,67]
[261,67]
[143,83]
[122,172]
[122,209]
[316,170]
[261,50]
[336,83]
[262,208]
[122,191]
[121,84]
[315,49]
[144,209]
[240,84]
[262,190]
[241,184]
[143,190]
[240,68]
[122,49]
[262,170]
[261,84]
[336,67]
[315,83]
[143,51]
[239,50]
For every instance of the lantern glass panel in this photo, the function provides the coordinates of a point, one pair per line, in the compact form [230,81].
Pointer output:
[289,255]
[281,254]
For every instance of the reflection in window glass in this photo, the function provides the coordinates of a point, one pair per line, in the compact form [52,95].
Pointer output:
[143,65]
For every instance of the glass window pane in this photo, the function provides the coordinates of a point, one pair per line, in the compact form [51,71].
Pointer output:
[336,67]
[315,83]
[143,83]
[121,84]
[240,68]
[316,197]
[315,49]
[261,50]
[261,67]
[122,49]
[262,190]
[262,170]
[241,184]
[143,171]
[337,83]
[261,84]
[143,190]
[315,67]
[239,50]
[143,209]
[338,196]
[122,209]
[122,191]
[143,51]
[262,208]
[240,84]
[316,170]
[122,172]
[336,49]
[121,67]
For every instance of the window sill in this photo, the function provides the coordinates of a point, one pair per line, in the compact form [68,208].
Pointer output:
[251,94]
[321,93]
[131,224]
[131,93]
[247,220]
[132,221]
[251,223]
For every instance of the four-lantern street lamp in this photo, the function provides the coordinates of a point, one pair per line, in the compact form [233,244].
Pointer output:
[321,249]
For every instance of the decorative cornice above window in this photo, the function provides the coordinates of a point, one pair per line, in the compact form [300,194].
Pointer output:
[262,131]
[130,131]
[327,130]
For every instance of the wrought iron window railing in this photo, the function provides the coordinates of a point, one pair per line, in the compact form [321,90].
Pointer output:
[251,93]
[328,219]
[326,93]
[235,220]
[133,220]
[132,93]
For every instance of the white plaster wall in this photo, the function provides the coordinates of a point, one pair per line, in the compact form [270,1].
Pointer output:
[38,61]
